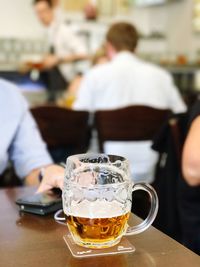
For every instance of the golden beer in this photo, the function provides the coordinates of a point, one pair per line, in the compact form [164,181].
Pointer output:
[98,229]
[98,232]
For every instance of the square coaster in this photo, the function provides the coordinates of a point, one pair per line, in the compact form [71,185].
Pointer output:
[80,252]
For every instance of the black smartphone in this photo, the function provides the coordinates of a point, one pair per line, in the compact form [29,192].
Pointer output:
[41,203]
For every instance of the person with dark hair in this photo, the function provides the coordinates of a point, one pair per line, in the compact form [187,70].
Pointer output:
[49,2]
[127,80]
[123,36]
[57,9]
[55,3]
[66,49]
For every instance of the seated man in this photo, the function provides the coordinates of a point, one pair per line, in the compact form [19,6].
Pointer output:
[127,80]
[69,96]
[21,142]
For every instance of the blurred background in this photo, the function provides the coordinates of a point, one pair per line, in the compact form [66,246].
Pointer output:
[169,36]
[38,41]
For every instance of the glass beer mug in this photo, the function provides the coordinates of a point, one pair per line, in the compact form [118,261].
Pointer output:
[97,200]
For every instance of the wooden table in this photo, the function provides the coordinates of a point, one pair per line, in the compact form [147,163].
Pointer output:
[31,240]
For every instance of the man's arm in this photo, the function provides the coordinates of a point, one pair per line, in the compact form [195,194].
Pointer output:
[52,176]
[28,151]
[52,60]
[32,178]
[75,49]
[191,154]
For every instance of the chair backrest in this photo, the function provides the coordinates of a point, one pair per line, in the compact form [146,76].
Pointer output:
[62,127]
[178,129]
[133,123]
[176,136]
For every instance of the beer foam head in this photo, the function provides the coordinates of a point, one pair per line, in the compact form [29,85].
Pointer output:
[97,209]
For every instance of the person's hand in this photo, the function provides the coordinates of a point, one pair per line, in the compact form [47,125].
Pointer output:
[53,178]
[50,61]
[24,68]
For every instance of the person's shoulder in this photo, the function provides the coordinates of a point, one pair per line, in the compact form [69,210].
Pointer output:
[10,93]
[100,71]
[8,89]
[157,70]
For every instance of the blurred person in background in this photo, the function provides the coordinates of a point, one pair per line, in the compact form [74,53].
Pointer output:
[127,80]
[69,96]
[21,142]
[58,11]
[66,48]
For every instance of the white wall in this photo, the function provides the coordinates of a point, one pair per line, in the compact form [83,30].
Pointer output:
[175,20]
[17,19]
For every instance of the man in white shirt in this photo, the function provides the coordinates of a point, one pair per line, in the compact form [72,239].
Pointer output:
[59,11]
[127,80]
[66,48]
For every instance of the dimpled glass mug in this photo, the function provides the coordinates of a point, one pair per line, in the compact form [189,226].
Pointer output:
[97,200]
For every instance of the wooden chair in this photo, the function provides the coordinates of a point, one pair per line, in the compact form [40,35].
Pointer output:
[63,128]
[177,138]
[9,178]
[133,123]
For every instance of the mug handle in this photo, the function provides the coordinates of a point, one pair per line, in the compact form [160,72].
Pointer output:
[152,212]
[59,219]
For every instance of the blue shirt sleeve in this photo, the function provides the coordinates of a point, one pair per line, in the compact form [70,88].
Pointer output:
[27,150]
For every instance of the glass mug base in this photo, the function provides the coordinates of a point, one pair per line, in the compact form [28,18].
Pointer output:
[79,252]
[96,245]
